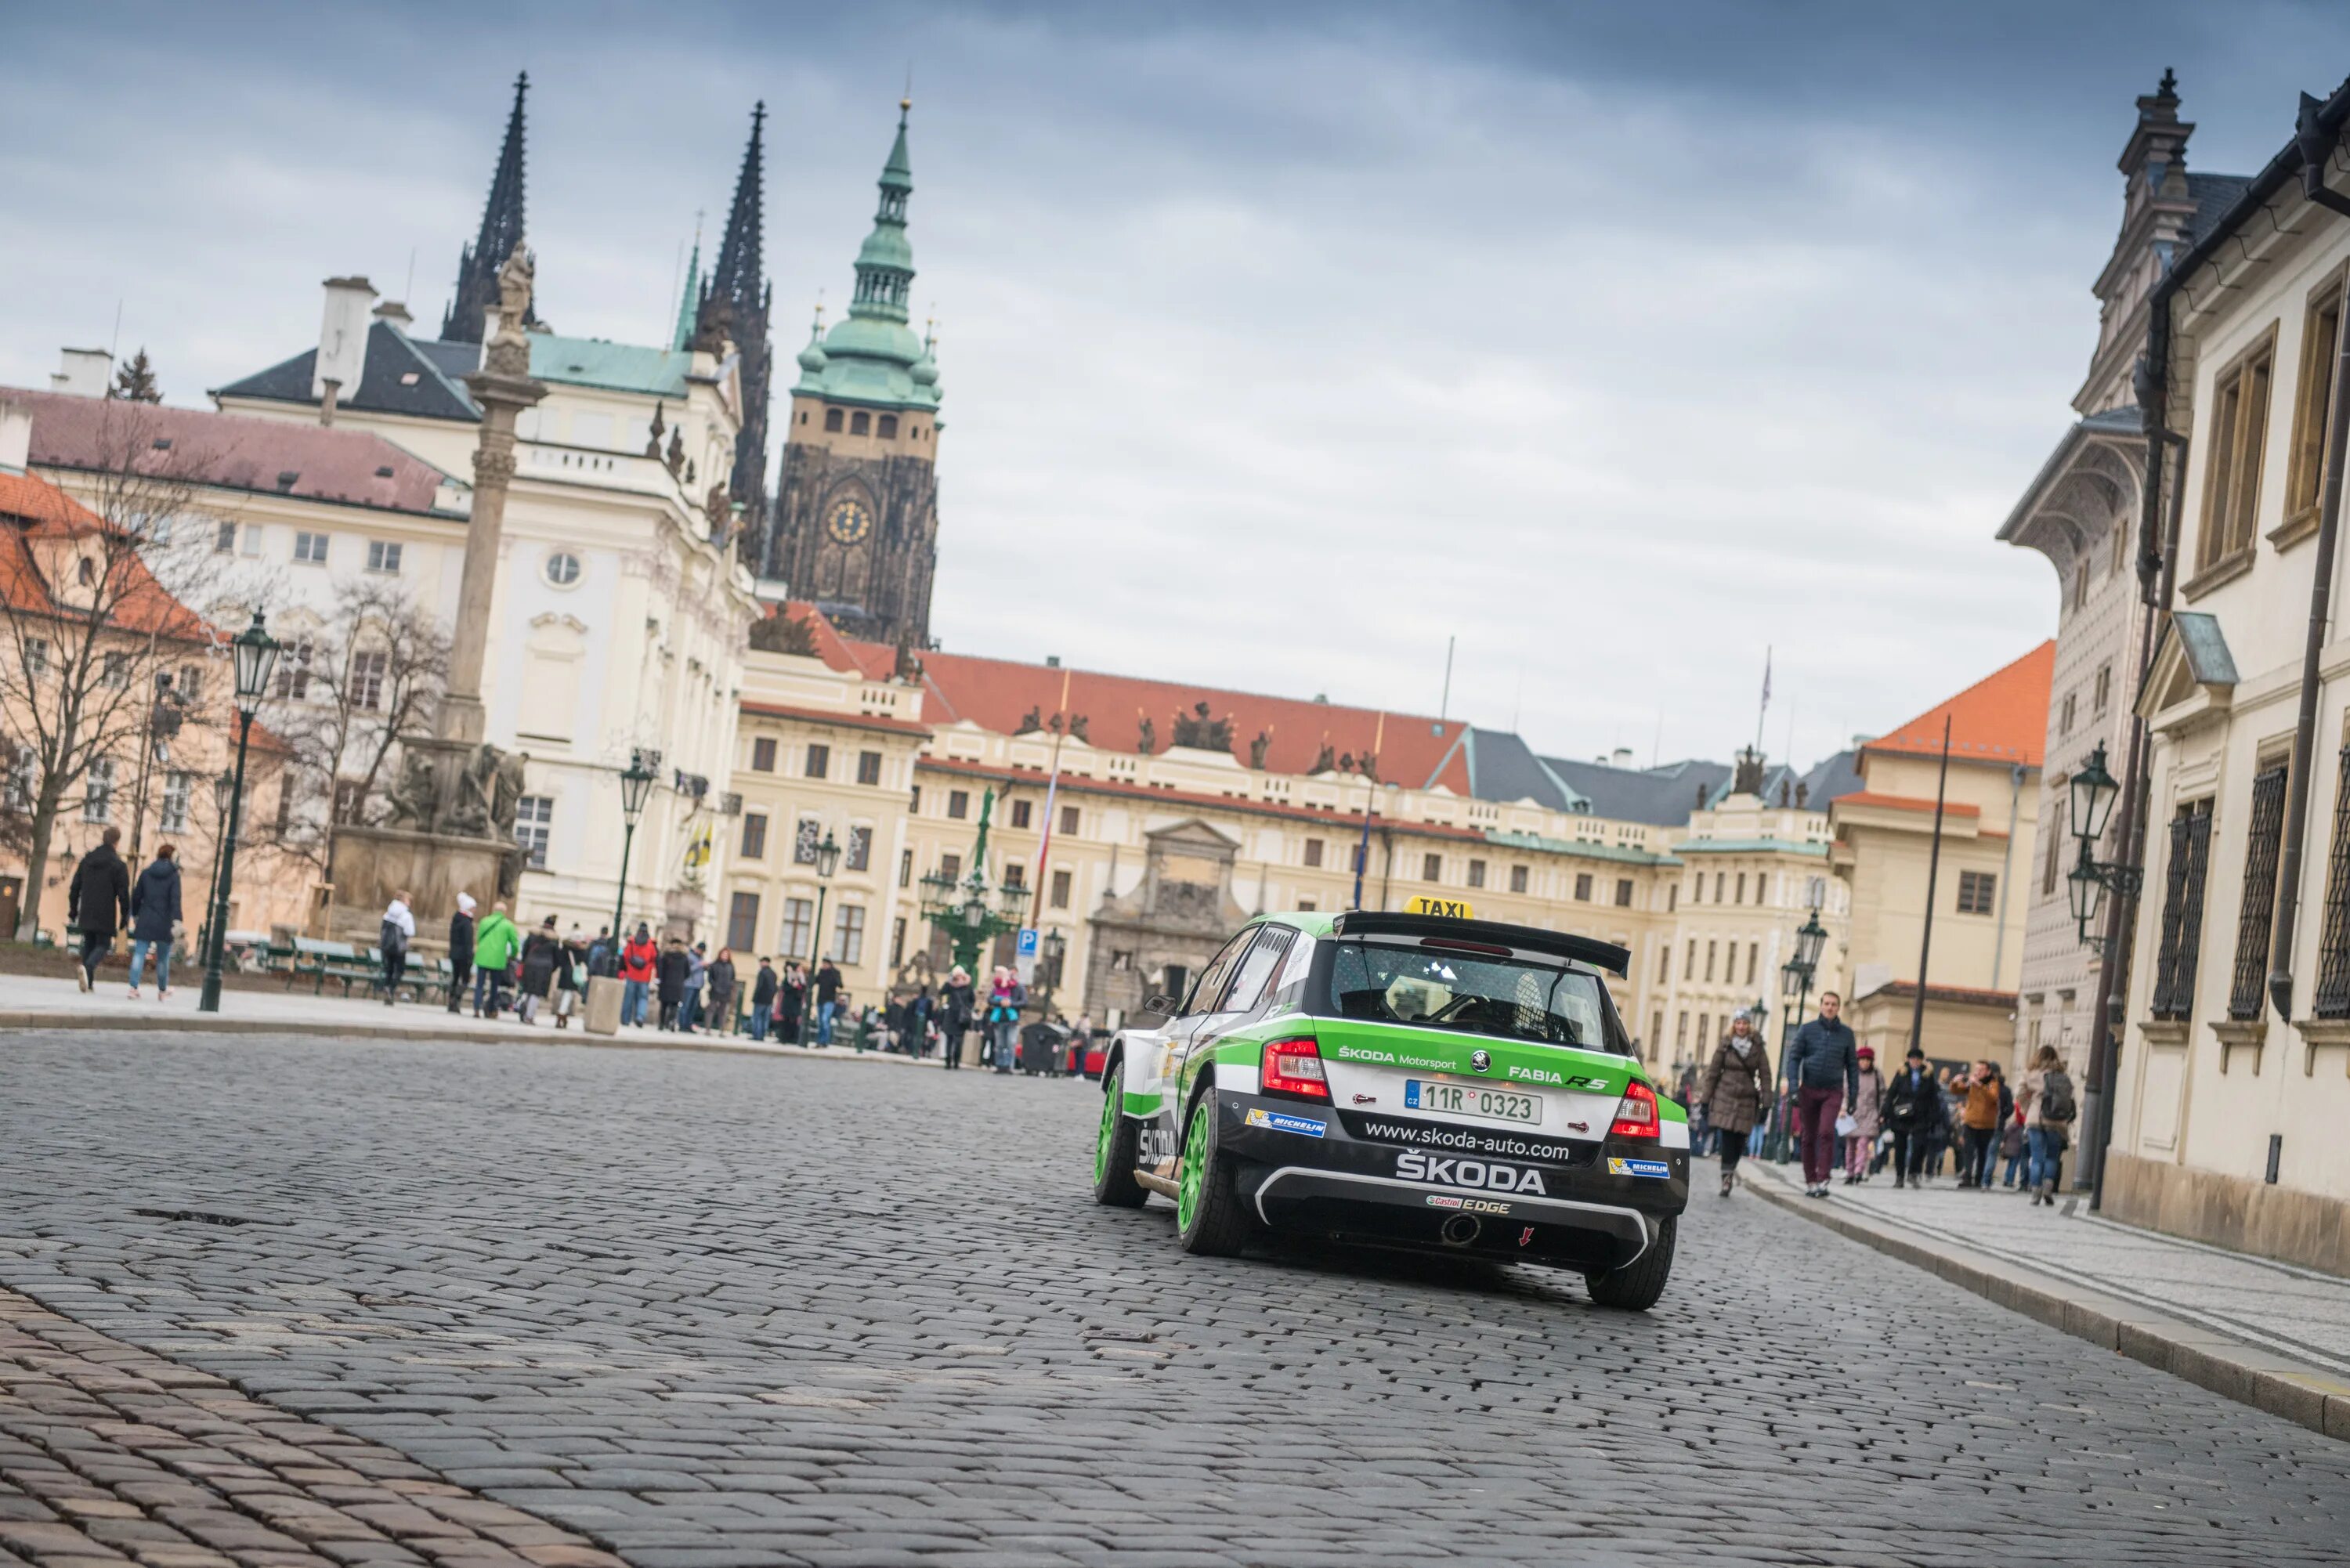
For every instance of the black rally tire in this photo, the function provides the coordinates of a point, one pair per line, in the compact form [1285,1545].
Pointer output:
[1114,1149]
[1213,1223]
[1637,1286]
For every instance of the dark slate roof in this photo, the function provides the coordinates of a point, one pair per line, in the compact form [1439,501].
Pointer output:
[2214,194]
[385,385]
[1663,796]
[1831,777]
[1502,767]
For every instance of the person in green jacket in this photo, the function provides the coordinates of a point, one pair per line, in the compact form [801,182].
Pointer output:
[494,946]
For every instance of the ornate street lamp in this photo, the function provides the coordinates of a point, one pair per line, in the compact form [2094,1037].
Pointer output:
[222,785]
[969,911]
[2092,791]
[828,861]
[636,784]
[1795,980]
[256,657]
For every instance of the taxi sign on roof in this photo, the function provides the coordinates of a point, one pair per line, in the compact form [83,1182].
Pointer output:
[1449,909]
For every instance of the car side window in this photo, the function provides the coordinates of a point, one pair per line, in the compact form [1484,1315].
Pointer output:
[1258,967]
[1211,983]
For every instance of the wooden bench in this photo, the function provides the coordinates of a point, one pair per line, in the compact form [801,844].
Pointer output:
[323,962]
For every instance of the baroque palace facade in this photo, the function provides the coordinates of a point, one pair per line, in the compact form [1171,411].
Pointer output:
[1179,811]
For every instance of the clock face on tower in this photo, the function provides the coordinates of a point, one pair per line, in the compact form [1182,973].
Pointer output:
[849,521]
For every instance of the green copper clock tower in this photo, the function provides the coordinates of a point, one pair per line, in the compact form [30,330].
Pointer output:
[856,518]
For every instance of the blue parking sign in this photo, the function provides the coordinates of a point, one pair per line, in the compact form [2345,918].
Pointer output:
[1027,947]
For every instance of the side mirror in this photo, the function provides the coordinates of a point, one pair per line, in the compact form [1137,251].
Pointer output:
[1164,1006]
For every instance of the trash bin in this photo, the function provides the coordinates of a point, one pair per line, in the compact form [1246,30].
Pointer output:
[1043,1048]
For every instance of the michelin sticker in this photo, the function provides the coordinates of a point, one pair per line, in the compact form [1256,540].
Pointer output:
[1656,1167]
[1281,1121]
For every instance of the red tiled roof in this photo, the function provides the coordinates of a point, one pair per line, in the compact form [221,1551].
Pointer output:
[1413,749]
[233,451]
[2002,718]
[1907,802]
[1965,996]
[1344,821]
[834,716]
[39,511]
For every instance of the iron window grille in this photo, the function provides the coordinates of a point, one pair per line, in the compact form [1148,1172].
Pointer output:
[2182,911]
[2332,998]
[2247,990]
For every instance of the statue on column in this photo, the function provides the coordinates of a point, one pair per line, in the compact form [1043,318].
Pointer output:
[509,352]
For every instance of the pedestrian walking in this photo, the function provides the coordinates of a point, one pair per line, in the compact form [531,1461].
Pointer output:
[570,977]
[956,1004]
[1824,1065]
[154,920]
[791,1004]
[2049,1110]
[676,968]
[1005,997]
[461,952]
[98,902]
[1912,1109]
[689,1007]
[718,991]
[603,955]
[640,959]
[827,1000]
[1732,1090]
[392,937]
[539,951]
[921,1009]
[496,947]
[1979,1114]
[763,999]
[1867,1112]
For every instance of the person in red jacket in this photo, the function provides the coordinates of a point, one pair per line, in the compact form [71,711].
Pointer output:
[637,960]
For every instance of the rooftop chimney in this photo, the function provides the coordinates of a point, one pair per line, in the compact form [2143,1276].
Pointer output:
[395,312]
[342,342]
[1621,758]
[85,374]
[16,437]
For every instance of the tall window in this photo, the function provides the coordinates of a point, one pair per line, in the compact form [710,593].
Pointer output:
[1431,868]
[860,848]
[1015,874]
[951,866]
[310,549]
[2321,340]
[1740,886]
[905,866]
[819,760]
[868,767]
[178,787]
[1312,852]
[848,934]
[1069,821]
[832,419]
[2240,428]
[754,836]
[2051,846]
[294,669]
[888,427]
[958,803]
[1665,963]
[24,769]
[805,836]
[1718,878]
[97,791]
[534,819]
[383,555]
[115,671]
[794,937]
[861,422]
[2064,720]
[36,657]
[1583,887]
[1623,892]
[1517,878]
[1753,954]
[2332,998]
[369,668]
[762,755]
[742,923]
[1476,872]
[350,797]
[1061,880]
[1978,892]
[1022,812]
[1688,965]
[2182,912]
[224,538]
[2248,985]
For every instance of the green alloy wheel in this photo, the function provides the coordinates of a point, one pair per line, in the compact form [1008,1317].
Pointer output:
[1114,1155]
[1208,1219]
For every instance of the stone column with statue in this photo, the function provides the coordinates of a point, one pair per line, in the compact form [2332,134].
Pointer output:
[453,806]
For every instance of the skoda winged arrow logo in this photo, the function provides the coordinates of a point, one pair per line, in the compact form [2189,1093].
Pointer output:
[1481,1060]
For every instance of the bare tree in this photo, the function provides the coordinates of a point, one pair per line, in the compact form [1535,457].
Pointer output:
[103,603]
[345,695]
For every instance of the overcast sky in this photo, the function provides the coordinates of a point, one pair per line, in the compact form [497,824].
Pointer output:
[1279,342]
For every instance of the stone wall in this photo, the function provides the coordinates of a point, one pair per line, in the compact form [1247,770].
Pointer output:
[2245,1216]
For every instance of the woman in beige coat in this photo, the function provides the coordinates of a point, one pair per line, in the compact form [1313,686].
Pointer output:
[1735,1088]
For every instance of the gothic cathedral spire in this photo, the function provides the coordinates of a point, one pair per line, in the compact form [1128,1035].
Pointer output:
[735,301]
[501,230]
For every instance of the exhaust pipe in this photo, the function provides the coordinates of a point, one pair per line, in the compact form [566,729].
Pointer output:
[1461,1229]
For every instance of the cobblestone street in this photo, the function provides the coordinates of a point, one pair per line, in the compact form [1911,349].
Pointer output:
[718,1310]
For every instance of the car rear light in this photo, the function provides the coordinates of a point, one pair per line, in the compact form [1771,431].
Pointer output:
[1636,1114]
[1294,1067]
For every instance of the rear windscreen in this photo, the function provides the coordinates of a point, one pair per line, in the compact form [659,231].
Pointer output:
[1509,998]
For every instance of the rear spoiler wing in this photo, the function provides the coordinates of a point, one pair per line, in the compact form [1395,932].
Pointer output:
[1608,956]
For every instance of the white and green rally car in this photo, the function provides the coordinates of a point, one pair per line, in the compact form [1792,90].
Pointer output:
[1411,1080]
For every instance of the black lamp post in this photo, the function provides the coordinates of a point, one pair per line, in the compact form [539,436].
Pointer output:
[1795,980]
[636,783]
[257,656]
[222,786]
[2094,791]
[828,861]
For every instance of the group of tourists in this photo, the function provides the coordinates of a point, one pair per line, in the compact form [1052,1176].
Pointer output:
[103,899]
[1848,1118]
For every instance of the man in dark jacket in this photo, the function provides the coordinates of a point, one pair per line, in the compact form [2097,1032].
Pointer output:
[461,950]
[154,911]
[675,969]
[1824,1065]
[956,1005]
[98,903]
[827,1000]
[763,999]
[1913,1107]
